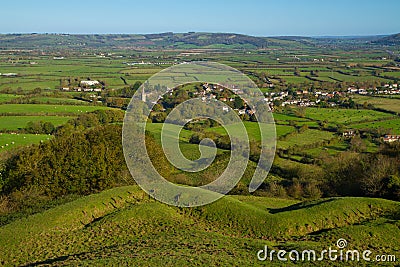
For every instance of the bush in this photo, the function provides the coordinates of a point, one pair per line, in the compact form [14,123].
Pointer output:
[40,127]
[79,163]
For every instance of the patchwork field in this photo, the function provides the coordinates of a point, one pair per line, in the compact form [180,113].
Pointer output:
[73,201]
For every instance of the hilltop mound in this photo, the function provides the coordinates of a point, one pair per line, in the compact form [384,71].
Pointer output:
[123,226]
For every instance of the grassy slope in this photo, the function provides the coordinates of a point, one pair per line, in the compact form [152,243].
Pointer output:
[17,122]
[124,226]
[344,116]
[386,103]
[20,140]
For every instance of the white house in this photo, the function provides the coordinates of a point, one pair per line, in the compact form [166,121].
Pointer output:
[89,83]
[391,138]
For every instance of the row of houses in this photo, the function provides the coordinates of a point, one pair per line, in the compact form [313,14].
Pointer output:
[148,63]
[300,102]
[79,89]
[9,74]
[86,86]
[386,90]
[388,138]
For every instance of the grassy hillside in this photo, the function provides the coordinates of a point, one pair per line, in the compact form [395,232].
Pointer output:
[10,141]
[122,226]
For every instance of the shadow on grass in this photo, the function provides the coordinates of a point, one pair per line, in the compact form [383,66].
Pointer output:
[337,148]
[76,257]
[302,205]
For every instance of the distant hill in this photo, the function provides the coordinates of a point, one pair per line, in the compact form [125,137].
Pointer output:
[162,40]
[389,40]
[179,41]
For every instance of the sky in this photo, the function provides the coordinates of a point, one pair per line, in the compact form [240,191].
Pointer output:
[252,17]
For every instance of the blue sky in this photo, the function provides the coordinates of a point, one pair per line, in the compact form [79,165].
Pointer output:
[253,17]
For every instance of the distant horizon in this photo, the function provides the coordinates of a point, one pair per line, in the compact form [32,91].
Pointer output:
[308,18]
[204,32]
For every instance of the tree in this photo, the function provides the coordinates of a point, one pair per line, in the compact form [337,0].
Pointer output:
[158,107]
[158,117]
[238,103]
[78,163]
[357,144]
[48,128]
[300,112]
[303,128]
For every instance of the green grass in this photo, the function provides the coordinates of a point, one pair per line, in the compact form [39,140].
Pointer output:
[280,117]
[190,151]
[309,136]
[7,97]
[394,74]
[26,84]
[46,109]
[391,104]
[282,130]
[18,122]
[253,130]
[10,141]
[122,226]
[156,128]
[57,100]
[391,126]
[344,116]
[331,149]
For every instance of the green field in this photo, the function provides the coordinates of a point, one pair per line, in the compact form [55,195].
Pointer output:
[156,128]
[253,130]
[391,104]
[344,116]
[310,136]
[16,116]
[7,97]
[284,119]
[73,202]
[57,100]
[391,126]
[19,122]
[279,117]
[46,109]
[10,141]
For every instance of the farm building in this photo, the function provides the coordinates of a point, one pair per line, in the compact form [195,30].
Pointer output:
[89,83]
[349,133]
[391,138]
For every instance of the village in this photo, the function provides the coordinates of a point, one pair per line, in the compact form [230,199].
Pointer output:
[273,98]
[300,98]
